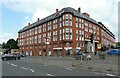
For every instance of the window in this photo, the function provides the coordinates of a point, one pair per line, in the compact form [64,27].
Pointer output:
[80,38]
[39,39]
[67,36]
[86,35]
[70,23]
[76,34]
[66,16]
[77,44]
[60,36]
[79,19]
[82,21]
[94,27]
[44,27]
[39,29]
[55,45]
[90,25]
[70,33]
[76,22]
[86,29]
[55,36]
[35,39]
[36,30]
[82,44]
[70,16]
[66,23]
[63,16]
[90,30]
[76,31]
[67,44]
[82,35]
[44,35]
[63,23]
[82,26]
[67,30]
[86,24]
[49,26]
[70,30]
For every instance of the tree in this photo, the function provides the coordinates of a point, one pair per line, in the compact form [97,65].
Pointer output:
[4,45]
[11,44]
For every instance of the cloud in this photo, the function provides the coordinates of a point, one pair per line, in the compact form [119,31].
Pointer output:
[105,11]
[4,37]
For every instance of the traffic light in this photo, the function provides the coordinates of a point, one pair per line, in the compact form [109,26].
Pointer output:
[91,38]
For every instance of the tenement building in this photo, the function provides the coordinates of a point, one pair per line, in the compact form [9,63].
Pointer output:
[62,32]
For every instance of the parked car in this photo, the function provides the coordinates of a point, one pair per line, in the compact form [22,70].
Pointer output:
[114,52]
[83,56]
[10,57]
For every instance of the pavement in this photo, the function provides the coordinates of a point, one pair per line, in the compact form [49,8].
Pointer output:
[107,65]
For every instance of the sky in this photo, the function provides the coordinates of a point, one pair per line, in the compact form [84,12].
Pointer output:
[16,14]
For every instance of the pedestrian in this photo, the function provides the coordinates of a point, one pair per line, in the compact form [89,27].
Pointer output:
[95,52]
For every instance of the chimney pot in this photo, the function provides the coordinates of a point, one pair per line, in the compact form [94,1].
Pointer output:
[79,10]
[56,10]
[38,19]
[28,24]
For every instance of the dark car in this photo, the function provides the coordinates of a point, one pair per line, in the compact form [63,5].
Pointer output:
[114,52]
[10,56]
[82,56]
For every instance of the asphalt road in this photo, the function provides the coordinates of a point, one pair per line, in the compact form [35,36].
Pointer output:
[24,67]
[27,67]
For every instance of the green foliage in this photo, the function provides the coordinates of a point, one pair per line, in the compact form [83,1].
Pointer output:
[11,44]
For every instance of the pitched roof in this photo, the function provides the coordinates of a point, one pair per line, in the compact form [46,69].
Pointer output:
[58,14]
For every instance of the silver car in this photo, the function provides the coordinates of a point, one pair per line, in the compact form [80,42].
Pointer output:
[82,56]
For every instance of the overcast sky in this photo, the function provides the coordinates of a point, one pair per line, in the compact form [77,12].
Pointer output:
[17,13]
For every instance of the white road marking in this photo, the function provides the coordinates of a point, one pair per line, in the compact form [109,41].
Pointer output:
[24,68]
[49,74]
[27,69]
[8,63]
[14,65]
[32,70]
[110,75]
[69,69]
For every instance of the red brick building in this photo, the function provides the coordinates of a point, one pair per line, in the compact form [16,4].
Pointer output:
[63,30]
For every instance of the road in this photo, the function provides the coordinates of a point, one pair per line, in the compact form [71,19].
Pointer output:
[27,67]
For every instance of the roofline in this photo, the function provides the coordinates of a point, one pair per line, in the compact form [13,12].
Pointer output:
[40,22]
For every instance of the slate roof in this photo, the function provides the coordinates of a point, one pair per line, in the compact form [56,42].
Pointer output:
[59,13]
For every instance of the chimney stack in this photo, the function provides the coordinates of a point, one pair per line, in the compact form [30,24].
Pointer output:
[28,24]
[56,10]
[38,19]
[79,10]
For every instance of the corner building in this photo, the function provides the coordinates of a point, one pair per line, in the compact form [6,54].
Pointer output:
[62,31]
